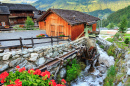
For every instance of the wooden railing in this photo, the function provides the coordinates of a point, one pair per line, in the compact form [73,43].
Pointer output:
[21,45]
[22,14]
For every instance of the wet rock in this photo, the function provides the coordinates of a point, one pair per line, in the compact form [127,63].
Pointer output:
[3,66]
[16,62]
[100,83]
[26,56]
[1,50]
[34,57]
[13,53]
[128,64]
[30,50]
[24,52]
[40,61]
[29,66]
[16,56]
[128,72]
[22,64]
[55,54]
[7,56]
[1,54]
[120,84]
[63,73]
[102,69]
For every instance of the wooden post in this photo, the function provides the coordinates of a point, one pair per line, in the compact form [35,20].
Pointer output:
[57,39]
[129,45]
[21,44]
[51,41]
[32,42]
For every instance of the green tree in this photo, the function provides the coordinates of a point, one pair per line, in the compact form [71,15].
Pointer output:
[29,22]
[123,25]
[110,26]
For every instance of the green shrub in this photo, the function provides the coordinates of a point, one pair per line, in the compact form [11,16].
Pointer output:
[111,74]
[110,39]
[127,41]
[101,46]
[29,22]
[73,69]
[111,50]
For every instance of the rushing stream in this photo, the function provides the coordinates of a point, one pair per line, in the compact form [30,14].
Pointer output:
[96,78]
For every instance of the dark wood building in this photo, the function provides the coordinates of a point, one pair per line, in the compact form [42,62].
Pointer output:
[68,22]
[4,15]
[19,12]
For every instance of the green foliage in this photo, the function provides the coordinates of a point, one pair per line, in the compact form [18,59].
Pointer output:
[127,41]
[27,79]
[73,69]
[110,26]
[117,35]
[98,8]
[110,39]
[101,46]
[111,74]
[29,22]
[123,25]
[111,51]
[117,16]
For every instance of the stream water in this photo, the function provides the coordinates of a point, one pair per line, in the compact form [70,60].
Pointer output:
[95,78]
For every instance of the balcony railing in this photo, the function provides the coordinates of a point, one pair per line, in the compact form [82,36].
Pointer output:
[22,14]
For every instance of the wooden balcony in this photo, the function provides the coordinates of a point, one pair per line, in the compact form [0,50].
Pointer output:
[22,14]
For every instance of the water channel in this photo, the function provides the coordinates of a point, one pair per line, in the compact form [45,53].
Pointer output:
[95,78]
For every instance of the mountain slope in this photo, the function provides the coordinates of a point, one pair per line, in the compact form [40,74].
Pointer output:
[82,5]
[117,16]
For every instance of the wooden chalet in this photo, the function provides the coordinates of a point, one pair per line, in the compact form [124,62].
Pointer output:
[19,12]
[4,15]
[68,22]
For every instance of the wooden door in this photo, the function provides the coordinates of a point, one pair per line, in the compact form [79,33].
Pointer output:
[52,30]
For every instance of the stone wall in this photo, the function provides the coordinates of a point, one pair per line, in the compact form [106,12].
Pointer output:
[33,58]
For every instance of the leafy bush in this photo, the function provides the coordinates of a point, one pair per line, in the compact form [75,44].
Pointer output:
[127,41]
[111,50]
[110,39]
[101,46]
[111,74]
[29,22]
[73,70]
[28,78]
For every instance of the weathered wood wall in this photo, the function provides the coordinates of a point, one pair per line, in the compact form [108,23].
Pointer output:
[4,18]
[76,31]
[56,26]
[94,27]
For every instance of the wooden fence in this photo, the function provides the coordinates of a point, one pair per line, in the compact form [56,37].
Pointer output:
[21,45]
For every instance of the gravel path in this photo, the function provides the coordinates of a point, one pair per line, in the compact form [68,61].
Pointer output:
[24,34]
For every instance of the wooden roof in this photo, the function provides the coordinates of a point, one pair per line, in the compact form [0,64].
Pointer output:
[4,10]
[71,16]
[18,6]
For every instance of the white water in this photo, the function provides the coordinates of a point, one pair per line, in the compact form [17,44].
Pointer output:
[95,78]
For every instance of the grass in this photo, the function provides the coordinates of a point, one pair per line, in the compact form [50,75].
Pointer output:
[127,34]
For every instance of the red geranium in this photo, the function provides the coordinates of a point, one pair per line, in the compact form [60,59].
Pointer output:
[37,72]
[31,71]
[17,66]
[22,69]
